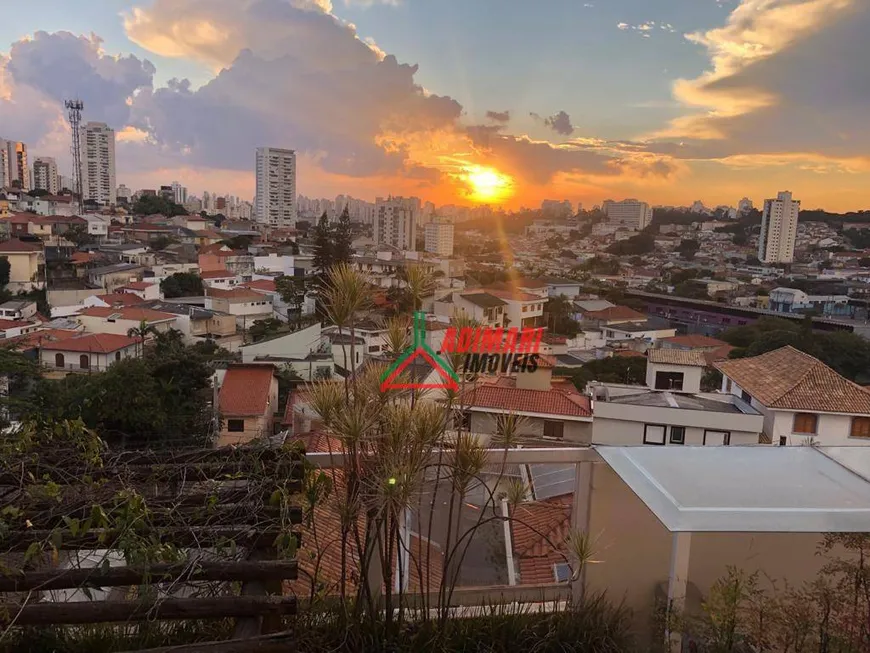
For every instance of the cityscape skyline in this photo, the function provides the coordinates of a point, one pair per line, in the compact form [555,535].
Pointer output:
[700,100]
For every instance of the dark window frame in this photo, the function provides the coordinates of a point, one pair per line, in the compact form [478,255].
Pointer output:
[669,376]
[726,441]
[554,424]
[232,425]
[663,427]
[682,439]
[805,416]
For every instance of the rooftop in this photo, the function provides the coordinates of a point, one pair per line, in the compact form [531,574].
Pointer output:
[217,274]
[615,313]
[789,379]
[692,358]
[133,313]
[502,394]
[246,390]
[483,299]
[684,402]
[14,245]
[97,343]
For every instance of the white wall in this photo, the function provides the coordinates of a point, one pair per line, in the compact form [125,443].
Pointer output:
[691,375]
[297,344]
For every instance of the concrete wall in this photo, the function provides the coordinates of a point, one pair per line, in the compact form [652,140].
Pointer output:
[691,375]
[297,344]
[634,549]
[119,327]
[533,427]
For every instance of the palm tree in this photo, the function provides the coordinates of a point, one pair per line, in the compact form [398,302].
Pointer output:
[141,332]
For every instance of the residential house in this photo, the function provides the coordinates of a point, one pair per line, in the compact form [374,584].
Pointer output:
[642,334]
[610,316]
[792,300]
[110,300]
[221,257]
[713,348]
[671,409]
[219,279]
[111,277]
[93,352]
[551,409]
[245,305]
[373,336]
[18,309]
[119,320]
[26,261]
[306,352]
[483,307]
[802,399]
[522,309]
[198,324]
[146,290]
[557,287]
[247,403]
[15,328]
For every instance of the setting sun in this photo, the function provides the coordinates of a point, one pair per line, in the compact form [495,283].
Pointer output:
[487,185]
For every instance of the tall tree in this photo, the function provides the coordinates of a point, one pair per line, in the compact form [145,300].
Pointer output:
[141,332]
[5,269]
[182,284]
[343,249]
[324,248]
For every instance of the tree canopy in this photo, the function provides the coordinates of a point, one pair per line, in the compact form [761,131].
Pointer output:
[151,204]
[642,243]
[182,284]
[5,269]
[616,369]
[324,252]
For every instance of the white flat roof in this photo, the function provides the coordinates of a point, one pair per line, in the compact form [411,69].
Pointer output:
[749,489]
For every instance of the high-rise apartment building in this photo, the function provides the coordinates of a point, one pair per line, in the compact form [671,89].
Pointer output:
[179,193]
[45,174]
[14,170]
[439,237]
[744,206]
[276,186]
[779,229]
[395,223]
[630,213]
[97,142]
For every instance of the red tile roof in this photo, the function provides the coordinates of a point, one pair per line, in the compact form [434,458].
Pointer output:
[246,390]
[539,530]
[38,338]
[235,293]
[137,285]
[82,257]
[628,353]
[14,245]
[512,294]
[266,285]
[14,324]
[623,313]
[217,274]
[502,394]
[789,379]
[97,343]
[120,299]
[128,313]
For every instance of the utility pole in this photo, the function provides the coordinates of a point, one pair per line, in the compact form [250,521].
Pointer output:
[74,109]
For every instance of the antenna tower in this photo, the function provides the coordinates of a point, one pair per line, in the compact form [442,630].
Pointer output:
[74,109]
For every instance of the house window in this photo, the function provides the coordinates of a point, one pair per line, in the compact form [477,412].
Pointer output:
[235,425]
[745,396]
[373,349]
[462,421]
[678,435]
[554,430]
[717,438]
[805,423]
[59,361]
[561,572]
[783,440]
[84,362]
[117,355]
[728,385]
[653,434]
[860,427]
[669,380]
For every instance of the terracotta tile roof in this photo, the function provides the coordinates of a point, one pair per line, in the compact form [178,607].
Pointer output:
[14,245]
[97,343]
[789,379]
[483,299]
[137,285]
[217,274]
[82,257]
[691,357]
[503,394]
[694,341]
[623,313]
[120,299]
[539,530]
[266,285]
[718,354]
[39,338]
[128,313]
[14,324]
[628,353]
[245,390]
[512,294]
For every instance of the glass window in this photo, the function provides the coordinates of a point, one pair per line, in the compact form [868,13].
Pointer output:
[554,430]
[653,434]
[805,423]
[84,361]
[678,435]
[235,425]
[669,380]
[59,361]
[561,572]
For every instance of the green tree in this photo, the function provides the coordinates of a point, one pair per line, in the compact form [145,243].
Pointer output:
[616,369]
[343,243]
[557,316]
[688,248]
[5,270]
[78,235]
[324,252]
[238,242]
[691,290]
[262,329]
[140,333]
[642,243]
[292,290]
[182,284]
[152,204]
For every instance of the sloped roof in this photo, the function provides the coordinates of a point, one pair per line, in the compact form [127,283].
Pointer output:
[127,313]
[14,324]
[539,530]
[217,274]
[14,245]
[265,285]
[234,293]
[790,379]
[96,343]
[245,390]
[483,299]
[615,313]
[120,299]
[503,394]
[688,357]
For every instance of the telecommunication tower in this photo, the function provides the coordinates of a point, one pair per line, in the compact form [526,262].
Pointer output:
[74,109]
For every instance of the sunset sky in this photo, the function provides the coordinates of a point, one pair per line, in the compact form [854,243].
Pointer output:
[459,101]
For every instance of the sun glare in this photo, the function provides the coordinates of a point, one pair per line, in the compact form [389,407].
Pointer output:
[487,184]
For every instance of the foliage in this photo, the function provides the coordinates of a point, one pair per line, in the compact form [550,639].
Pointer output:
[846,353]
[324,253]
[262,329]
[616,369]
[557,315]
[78,235]
[160,399]
[688,248]
[601,265]
[182,284]
[691,290]
[343,234]
[642,243]
[151,204]
[240,242]
[5,269]
[292,290]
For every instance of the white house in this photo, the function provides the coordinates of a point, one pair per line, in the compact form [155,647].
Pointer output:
[120,320]
[220,279]
[93,352]
[802,399]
